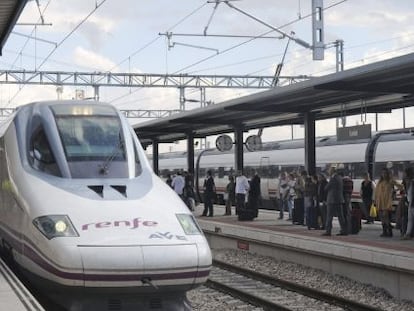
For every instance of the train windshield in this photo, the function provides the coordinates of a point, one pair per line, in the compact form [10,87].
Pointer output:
[96,138]
[92,139]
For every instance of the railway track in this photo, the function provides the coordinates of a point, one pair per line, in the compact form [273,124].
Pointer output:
[271,293]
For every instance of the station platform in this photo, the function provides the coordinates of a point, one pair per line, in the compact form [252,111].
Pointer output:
[13,294]
[368,257]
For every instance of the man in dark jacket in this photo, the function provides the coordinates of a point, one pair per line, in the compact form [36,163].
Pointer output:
[334,200]
[209,194]
[254,194]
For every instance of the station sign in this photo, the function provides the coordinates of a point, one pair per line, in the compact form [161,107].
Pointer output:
[353,132]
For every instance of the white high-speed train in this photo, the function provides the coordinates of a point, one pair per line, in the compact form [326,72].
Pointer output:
[86,219]
[394,148]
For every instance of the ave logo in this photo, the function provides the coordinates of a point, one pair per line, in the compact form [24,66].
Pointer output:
[167,236]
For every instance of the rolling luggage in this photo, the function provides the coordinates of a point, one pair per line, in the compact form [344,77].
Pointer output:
[355,220]
[246,214]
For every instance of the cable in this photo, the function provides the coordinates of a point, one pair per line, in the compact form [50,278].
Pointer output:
[97,6]
[150,43]
[254,38]
[158,37]
[28,39]
[231,48]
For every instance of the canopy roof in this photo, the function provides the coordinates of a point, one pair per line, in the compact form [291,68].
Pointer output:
[377,87]
[10,11]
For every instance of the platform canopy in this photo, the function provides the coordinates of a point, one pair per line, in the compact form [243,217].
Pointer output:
[374,88]
[10,11]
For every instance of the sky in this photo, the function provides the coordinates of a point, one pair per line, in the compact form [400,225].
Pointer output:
[129,36]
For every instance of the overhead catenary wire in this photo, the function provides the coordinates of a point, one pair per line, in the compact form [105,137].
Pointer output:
[97,6]
[254,38]
[150,43]
[235,46]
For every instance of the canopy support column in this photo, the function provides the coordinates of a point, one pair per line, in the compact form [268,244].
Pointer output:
[238,150]
[310,151]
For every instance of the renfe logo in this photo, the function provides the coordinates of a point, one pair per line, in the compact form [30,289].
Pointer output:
[135,223]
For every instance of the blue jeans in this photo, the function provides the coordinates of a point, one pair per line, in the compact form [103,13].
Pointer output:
[283,203]
[290,206]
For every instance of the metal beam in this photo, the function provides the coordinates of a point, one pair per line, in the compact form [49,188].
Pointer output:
[98,79]
[148,113]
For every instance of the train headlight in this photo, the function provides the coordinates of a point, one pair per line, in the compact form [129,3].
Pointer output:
[189,224]
[53,226]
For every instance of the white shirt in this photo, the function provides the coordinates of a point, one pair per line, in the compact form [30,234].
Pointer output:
[178,184]
[242,185]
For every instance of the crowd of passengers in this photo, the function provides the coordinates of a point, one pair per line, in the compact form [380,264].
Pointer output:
[313,201]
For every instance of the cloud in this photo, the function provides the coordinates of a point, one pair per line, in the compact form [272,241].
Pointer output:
[87,58]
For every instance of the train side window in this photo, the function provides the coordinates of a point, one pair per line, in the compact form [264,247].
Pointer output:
[41,154]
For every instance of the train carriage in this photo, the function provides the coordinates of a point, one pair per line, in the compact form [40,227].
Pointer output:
[394,149]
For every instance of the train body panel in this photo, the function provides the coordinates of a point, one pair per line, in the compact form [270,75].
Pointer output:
[115,225]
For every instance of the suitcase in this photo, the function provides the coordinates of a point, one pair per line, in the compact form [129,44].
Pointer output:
[355,220]
[246,214]
[298,212]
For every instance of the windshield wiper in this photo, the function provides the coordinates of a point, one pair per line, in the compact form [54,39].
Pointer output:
[104,167]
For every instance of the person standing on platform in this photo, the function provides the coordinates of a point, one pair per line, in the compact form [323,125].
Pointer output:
[298,208]
[178,184]
[209,194]
[254,194]
[242,187]
[169,180]
[409,190]
[188,191]
[309,197]
[334,200]
[231,195]
[367,191]
[348,185]
[291,194]
[383,200]
[321,201]
[283,193]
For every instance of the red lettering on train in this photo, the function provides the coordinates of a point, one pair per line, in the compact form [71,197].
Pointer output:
[135,223]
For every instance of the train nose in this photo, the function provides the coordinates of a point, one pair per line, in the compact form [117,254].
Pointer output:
[149,265]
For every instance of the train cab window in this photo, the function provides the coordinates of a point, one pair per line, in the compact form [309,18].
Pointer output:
[94,142]
[41,155]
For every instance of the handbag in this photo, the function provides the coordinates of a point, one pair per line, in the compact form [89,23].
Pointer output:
[373,211]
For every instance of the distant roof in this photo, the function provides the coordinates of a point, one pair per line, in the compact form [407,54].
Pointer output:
[10,11]
[377,87]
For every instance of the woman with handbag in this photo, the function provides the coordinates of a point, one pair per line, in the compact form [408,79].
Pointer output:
[367,194]
[383,200]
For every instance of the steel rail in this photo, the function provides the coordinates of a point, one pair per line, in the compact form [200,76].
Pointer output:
[295,287]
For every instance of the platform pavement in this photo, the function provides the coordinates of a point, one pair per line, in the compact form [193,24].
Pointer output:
[13,294]
[366,246]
